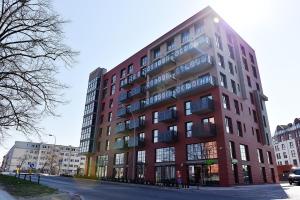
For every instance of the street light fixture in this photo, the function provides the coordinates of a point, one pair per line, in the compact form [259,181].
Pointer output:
[52,156]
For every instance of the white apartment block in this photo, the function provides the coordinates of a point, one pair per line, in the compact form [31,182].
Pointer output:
[45,158]
[286,152]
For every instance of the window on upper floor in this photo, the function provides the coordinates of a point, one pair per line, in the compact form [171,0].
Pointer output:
[243,50]
[233,85]
[144,61]
[228,125]
[239,128]
[254,71]
[245,63]
[170,45]
[187,108]
[109,118]
[113,78]
[221,60]
[111,103]
[113,89]
[156,53]
[232,150]
[199,28]
[185,36]
[123,73]
[226,102]
[244,152]
[237,107]
[231,68]
[249,81]
[155,117]
[130,69]
[254,116]
[188,129]
[219,41]
[231,51]
[155,135]
[223,81]
[251,97]
[251,58]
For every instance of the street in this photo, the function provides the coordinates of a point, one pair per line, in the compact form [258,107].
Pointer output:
[91,189]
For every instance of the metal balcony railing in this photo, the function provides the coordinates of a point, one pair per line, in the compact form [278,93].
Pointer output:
[168,136]
[167,116]
[203,130]
[135,142]
[202,106]
[163,97]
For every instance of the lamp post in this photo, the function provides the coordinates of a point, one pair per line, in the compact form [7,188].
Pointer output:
[52,156]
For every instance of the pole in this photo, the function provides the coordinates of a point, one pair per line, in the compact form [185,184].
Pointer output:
[52,154]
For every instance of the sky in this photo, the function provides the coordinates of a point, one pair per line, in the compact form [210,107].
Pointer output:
[108,32]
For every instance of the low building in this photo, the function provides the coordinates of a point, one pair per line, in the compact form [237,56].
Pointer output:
[44,158]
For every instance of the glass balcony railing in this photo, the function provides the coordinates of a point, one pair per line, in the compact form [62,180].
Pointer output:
[121,127]
[135,142]
[123,97]
[167,116]
[122,112]
[196,65]
[120,144]
[162,80]
[125,83]
[200,84]
[160,98]
[136,107]
[136,124]
[191,48]
[138,76]
[168,136]
[202,106]
[137,92]
[203,130]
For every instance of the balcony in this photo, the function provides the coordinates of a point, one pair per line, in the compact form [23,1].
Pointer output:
[158,64]
[138,76]
[195,86]
[137,107]
[123,97]
[204,130]
[136,124]
[120,144]
[137,92]
[168,136]
[122,112]
[195,66]
[125,83]
[161,98]
[121,127]
[135,142]
[163,80]
[167,116]
[192,48]
[202,106]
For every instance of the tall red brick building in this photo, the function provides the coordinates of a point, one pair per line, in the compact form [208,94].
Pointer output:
[189,108]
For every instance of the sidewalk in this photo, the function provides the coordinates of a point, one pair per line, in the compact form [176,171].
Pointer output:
[5,196]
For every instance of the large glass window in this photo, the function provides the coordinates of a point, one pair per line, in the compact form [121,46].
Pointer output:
[155,117]
[187,108]
[165,154]
[155,136]
[141,156]
[201,151]
[247,174]
[221,60]
[165,174]
[223,80]
[185,36]
[244,152]
[102,163]
[226,103]
[119,159]
[228,125]
[232,150]
[188,129]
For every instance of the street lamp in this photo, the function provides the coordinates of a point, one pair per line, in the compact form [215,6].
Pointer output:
[52,156]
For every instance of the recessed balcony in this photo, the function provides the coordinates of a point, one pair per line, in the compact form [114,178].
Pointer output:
[202,106]
[119,145]
[163,80]
[136,142]
[121,128]
[161,98]
[195,86]
[136,107]
[167,116]
[195,66]
[125,83]
[122,112]
[137,92]
[138,76]
[168,136]
[123,97]
[204,130]
[136,124]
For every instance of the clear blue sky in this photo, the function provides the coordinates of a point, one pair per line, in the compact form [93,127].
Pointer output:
[108,32]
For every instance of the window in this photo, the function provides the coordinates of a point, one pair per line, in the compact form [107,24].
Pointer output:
[231,52]
[155,136]
[188,129]
[226,103]
[232,150]
[228,125]
[199,28]
[295,162]
[245,64]
[165,154]
[113,89]
[144,60]
[155,117]
[172,128]
[156,53]
[185,36]
[123,73]
[187,108]
[251,97]
[219,41]
[254,116]
[107,145]
[291,145]
[243,50]
[231,68]
[236,106]
[293,153]
[233,85]
[257,87]
[119,159]
[113,78]
[111,103]
[260,156]
[254,71]
[283,146]
[240,129]
[270,160]
[285,155]
[130,69]
[109,118]
[108,130]
[244,152]
[141,156]
[201,151]
[221,60]
[223,80]
[251,58]
[249,81]
[141,136]
[170,45]
[247,174]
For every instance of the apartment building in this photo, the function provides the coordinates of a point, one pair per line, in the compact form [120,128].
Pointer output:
[286,141]
[187,108]
[45,158]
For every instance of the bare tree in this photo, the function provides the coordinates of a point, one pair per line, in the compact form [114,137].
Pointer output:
[32,50]
[51,164]
[22,160]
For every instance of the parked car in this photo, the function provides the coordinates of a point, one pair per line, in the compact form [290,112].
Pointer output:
[294,176]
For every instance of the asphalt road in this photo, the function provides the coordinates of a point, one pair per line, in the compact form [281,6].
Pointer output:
[96,190]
